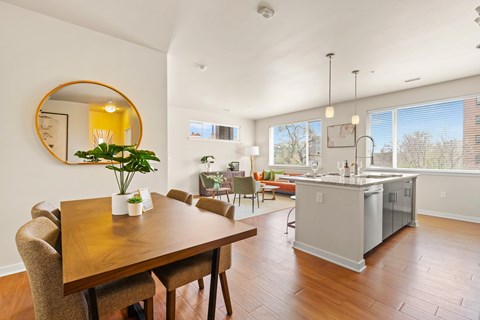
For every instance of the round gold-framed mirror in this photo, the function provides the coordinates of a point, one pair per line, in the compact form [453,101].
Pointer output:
[79,115]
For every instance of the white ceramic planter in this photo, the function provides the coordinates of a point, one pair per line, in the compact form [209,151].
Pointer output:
[119,203]
[135,209]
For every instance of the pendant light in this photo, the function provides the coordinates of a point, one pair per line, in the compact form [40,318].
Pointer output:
[329,111]
[355,117]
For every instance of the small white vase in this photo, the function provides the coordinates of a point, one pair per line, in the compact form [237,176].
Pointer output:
[119,204]
[135,209]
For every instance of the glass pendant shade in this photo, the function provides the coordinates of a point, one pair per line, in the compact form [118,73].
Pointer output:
[355,119]
[329,112]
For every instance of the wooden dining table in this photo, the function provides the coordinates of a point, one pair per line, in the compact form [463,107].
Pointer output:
[98,247]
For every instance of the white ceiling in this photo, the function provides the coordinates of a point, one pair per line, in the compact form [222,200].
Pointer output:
[259,68]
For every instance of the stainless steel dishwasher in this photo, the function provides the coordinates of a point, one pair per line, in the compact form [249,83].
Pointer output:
[373,216]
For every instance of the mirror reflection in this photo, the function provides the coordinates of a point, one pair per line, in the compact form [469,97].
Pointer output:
[82,114]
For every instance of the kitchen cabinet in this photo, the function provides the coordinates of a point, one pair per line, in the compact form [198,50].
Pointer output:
[397,206]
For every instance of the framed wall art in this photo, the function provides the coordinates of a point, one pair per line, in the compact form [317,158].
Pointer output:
[341,136]
[53,128]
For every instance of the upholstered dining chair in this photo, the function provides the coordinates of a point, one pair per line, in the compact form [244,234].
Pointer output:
[180,273]
[47,210]
[35,241]
[180,195]
[246,186]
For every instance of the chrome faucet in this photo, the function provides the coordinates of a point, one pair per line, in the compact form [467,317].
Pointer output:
[356,156]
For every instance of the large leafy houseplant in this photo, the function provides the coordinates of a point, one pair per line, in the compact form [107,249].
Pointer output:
[125,161]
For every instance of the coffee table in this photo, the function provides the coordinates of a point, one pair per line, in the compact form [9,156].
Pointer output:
[268,188]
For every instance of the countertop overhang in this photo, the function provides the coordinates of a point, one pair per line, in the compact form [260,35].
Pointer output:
[365,180]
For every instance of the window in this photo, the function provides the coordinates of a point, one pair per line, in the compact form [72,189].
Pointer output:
[201,130]
[437,135]
[296,143]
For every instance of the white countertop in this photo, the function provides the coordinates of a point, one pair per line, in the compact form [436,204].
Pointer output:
[365,180]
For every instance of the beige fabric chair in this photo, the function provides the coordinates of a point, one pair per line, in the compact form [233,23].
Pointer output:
[180,273]
[35,242]
[47,210]
[180,195]
[246,186]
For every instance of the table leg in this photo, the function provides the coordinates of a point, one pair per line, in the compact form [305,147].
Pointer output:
[212,300]
[273,194]
[92,296]
[263,195]
[228,197]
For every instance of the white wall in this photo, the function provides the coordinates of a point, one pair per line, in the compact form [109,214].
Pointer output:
[462,191]
[37,53]
[184,154]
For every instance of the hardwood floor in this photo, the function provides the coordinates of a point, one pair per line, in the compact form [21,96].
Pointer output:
[430,272]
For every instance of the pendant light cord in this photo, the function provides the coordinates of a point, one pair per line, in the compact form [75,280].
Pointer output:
[330,81]
[355,72]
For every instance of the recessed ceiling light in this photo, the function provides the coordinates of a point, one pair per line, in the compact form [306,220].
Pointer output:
[478,46]
[266,12]
[202,67]
[411,80]
[226,109]
[110,107]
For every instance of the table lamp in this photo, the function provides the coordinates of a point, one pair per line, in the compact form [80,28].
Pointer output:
[252,152]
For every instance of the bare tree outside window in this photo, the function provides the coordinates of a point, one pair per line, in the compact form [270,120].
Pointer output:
[291,142]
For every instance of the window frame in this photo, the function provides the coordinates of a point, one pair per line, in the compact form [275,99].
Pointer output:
[190,137]
[271,145]
[394,168]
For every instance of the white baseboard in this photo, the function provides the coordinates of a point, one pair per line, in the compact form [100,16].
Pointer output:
[344,262]
[11,269]
[449,215]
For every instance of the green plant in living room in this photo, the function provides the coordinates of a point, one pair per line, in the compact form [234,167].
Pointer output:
[207,160]
[125,161]
[217,179]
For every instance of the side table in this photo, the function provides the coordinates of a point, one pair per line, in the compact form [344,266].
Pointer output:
[219,192]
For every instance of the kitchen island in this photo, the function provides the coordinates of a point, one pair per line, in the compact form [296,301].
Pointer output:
[331,219]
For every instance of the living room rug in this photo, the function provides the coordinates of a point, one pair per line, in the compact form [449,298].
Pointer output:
[244,211]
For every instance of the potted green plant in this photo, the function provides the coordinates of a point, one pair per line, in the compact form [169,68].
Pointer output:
[135,206]
[207,160]
[218,179]
[125,162]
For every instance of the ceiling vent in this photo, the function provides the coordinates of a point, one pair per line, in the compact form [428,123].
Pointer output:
[266,12]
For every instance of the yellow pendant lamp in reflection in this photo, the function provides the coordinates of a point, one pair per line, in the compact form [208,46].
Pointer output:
[329,111]
[110,107]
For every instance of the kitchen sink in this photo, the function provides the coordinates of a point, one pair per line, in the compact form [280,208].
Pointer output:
[381,176]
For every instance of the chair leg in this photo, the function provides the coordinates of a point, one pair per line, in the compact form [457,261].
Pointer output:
[225,292]
[253,203]
[234,197]
[288,217]
[148,308]
[258,201]
[201,285]
[171,305]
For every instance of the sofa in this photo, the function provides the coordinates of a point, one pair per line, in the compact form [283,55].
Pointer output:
[284,185]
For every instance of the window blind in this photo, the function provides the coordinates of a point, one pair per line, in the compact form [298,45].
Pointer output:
[438,135]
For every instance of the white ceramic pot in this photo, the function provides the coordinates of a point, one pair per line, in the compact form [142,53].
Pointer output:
[135,209]
[119,203]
